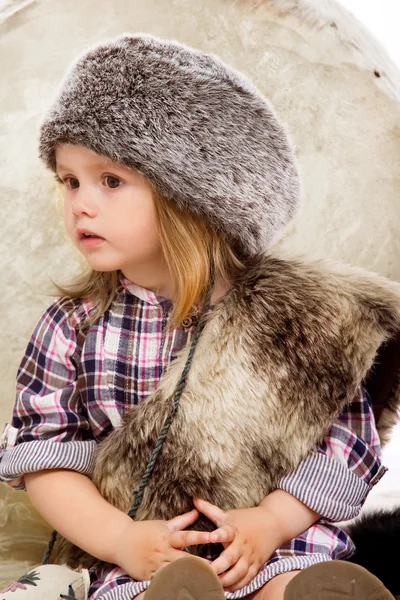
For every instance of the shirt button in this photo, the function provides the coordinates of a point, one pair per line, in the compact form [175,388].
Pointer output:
[187,322]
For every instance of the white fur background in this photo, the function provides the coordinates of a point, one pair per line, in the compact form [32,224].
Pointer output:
[330,81]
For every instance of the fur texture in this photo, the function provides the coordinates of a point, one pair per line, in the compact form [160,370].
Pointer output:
[199,130]
[376,536]
[280,356]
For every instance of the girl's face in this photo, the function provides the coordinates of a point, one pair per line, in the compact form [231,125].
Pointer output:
[114,204]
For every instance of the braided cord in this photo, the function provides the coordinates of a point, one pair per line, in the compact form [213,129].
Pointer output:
[160,440]
[49,548]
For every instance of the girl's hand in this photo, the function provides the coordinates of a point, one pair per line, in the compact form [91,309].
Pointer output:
[143,547]
[249,537]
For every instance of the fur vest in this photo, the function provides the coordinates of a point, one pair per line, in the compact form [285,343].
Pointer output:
[280,356]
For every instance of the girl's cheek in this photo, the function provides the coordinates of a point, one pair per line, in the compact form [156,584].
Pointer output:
[68,220]
[66,214]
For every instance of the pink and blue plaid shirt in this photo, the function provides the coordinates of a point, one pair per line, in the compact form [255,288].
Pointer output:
[73,387]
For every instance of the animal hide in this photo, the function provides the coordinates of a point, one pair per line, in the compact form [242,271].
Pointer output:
[376,537]
[280,356]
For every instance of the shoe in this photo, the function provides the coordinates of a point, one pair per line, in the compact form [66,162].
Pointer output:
[188,578]
[336,580]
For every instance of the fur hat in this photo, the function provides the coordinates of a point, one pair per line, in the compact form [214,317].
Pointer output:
[200,131]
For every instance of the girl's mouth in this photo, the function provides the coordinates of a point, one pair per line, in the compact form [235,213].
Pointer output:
[91,241]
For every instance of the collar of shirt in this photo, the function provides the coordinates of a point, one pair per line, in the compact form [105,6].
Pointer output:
[147,295]
[141,292]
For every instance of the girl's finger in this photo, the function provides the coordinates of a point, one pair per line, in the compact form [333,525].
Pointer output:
[251,573]
[214,513]
[227,558]
[183,521]
[235,575]
[223,535]
[181,539]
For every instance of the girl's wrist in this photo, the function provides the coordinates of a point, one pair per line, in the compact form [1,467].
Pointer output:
[288,516]
[271,526]
[119,530]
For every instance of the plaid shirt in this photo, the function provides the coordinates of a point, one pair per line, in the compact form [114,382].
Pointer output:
[72,390]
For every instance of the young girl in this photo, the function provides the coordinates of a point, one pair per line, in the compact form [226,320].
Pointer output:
[177,176]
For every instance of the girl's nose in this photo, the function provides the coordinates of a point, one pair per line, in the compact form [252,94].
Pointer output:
[84,203]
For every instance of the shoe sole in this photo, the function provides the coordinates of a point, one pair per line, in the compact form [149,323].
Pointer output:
[336,580]
[188,578]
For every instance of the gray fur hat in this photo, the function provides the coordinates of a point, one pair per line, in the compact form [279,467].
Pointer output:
[199,130]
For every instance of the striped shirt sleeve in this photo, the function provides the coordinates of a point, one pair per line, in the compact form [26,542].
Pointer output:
[336,479]
[49,426]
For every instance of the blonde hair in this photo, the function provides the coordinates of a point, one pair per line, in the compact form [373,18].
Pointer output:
[193,251]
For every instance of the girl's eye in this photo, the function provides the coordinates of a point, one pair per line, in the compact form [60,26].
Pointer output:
[112,182]
[72,183]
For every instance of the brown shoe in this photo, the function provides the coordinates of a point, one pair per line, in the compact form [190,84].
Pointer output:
[188,578]
[336,580]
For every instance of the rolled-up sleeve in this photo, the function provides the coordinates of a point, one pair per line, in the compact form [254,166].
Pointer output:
[335,480]
[49,427]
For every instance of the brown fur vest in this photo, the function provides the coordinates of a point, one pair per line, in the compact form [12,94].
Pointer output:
[280,356]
